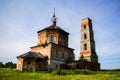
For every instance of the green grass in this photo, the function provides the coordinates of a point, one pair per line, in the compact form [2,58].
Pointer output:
[12,74]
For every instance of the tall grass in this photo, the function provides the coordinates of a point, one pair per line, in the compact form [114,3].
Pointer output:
[12,74]
[72,72]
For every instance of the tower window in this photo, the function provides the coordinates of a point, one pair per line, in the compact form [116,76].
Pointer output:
[85,46]
[51,38]
[85,36]
[84,26]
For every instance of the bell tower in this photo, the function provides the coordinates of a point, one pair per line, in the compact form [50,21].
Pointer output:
[87,42]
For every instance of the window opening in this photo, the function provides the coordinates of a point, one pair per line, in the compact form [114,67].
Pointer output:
[84,26]
[85,46]
[85,36]
[51,38]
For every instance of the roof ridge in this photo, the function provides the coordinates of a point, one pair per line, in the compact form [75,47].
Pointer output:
[31,54]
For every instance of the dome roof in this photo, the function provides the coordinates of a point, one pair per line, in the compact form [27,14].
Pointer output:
[57,28]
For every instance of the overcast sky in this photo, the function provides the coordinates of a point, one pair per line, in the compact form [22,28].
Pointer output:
[21,19]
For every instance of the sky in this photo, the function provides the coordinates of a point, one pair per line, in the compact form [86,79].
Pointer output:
[21,19]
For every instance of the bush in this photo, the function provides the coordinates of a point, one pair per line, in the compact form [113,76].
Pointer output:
[1,65]
[10,65]
[59,72]
[72,72]
[85,71]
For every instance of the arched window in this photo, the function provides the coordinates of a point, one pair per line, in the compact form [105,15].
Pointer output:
[85,46]
[51,38]
[84,26]
[85,36]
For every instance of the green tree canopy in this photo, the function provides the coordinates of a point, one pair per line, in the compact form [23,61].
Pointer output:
[10,65]
[1,65]
[83,59]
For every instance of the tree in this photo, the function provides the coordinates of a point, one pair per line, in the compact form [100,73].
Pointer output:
[94,58]
[10,65]
[83,59]
[1,65]
[14,65]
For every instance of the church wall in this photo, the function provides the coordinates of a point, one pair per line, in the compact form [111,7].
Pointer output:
[82,65]
[28,64]
[45,51]
[20,64]
[54,34]
[42,37]
[31,65]
[63,39]
[59,55]
[59,37]
[54,64]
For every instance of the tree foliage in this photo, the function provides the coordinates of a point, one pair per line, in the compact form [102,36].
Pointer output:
[83,59]
[10,65]
[1,65]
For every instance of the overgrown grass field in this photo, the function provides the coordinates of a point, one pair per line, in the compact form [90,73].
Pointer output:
[12,74]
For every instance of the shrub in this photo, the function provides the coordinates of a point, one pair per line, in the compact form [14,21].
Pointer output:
[59,72]
[72,72]
[1,65]
[10,65]
[85,71]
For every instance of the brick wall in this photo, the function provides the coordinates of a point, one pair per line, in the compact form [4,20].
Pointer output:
[82,65]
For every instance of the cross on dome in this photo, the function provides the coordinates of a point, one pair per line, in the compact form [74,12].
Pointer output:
[54,19]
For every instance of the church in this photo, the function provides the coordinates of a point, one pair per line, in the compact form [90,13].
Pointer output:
[53,51]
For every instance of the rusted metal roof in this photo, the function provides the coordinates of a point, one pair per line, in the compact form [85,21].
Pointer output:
[31,55]
[54,28]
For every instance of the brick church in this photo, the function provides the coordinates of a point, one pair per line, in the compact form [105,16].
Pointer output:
[52,51]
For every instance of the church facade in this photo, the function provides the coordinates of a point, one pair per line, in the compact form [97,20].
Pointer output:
[52,51]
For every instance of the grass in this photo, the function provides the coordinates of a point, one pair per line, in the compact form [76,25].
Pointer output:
[12,74]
